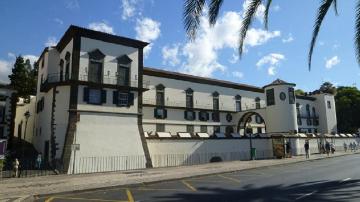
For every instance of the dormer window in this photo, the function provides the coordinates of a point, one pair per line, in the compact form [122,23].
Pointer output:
[189,98]
[123,70]
[96,60]
[238,103]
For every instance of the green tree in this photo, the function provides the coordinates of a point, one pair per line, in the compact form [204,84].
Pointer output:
[21,78]
[299,92]
[347,101]
[193,10]
[327,87]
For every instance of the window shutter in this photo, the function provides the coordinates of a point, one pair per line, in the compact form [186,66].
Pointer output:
[131,99]
[103,96]
[165,113]
[207,116]
[86,95]
[115,97]
[194,115]
[185,117]
[213,116]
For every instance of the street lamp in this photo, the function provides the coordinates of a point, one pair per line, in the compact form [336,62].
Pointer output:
[27,116]
[252,157]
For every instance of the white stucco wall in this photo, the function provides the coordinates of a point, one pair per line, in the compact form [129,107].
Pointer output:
[284,112]
[327,116]
[21,109]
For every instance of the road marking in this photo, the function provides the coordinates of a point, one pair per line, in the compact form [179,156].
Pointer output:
[230,178]
[305,195]
[188,185]
[129,195]
[49,199]
[346,179]
[86,199]
[156,189]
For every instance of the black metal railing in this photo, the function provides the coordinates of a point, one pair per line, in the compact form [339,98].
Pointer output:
[106,79]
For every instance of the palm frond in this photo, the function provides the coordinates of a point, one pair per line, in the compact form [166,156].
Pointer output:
[357,31]
[249,14]
[335,7]
[191,16]
[323,9]
[214,8]
[266,13]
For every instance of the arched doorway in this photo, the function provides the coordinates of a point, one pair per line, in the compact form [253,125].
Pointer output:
[250,117]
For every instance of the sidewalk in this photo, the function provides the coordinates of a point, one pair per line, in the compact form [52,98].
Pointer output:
[22,188]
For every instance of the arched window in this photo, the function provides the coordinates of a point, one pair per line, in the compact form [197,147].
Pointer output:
[308,111]
[61,70]
[160,95]
[314,112]
[215,101]
[189,98]
[298,114]
[238,103]
[123,70]
[96,60]
[257,103]
[67,65]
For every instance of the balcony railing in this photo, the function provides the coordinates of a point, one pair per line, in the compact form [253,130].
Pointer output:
[112,80]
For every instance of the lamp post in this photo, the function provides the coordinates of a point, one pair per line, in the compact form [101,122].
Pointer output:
[251,146]
[27,116]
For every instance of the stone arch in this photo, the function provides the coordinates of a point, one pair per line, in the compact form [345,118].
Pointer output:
[244,120]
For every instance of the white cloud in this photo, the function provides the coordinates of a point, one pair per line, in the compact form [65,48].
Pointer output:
[202,53]
[272,70]
[51,41]
[332,62]
[101,27]
[321,43]
[276,8]
[147,30]
[238,74]
[234,58]
[170,55]
[289,39]
[128,8]
[7,65]
[5,70]
[335,46]
[59,21]
[72,4]
[273,60]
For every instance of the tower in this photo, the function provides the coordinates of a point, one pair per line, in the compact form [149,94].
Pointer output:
[280,107]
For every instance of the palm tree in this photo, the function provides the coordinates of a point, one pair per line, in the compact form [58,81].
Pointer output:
[193,10]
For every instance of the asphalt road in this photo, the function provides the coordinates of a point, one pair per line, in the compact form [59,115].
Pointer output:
[333,179]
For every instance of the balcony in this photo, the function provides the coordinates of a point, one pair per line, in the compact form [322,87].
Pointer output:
[106,81]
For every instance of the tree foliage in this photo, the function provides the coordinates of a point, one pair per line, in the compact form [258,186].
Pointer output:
[23,78]
[327,87]
[299,92]
[347,101]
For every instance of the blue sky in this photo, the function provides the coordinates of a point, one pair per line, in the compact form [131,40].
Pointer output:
[280,52]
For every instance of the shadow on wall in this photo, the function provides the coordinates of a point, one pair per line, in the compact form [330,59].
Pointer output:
[323,191]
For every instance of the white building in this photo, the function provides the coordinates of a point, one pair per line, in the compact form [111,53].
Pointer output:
[96,99]
[7,115]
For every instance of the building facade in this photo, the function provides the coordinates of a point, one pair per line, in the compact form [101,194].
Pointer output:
[7,116]
[95,98]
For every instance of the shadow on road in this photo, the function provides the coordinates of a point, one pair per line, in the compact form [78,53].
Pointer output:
[329,191]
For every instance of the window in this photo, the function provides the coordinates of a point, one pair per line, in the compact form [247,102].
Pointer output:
[228,117]
[67,66]
[203,116]
[314,112]
[238,103]
[270,97]
[160,113]
[2,114]
[190,128]
[259,130]
[229,130]
[189,98]
[216,116]
[160,127]
[123,99]
[123,71]
[328,104]
[216,129]
[40,105]
[94,96]
[215,101]
[61,70]
[308,111]
[282,96]
[257,103]
[189,115]
[2,134]
[160,95]
[203,129]
[96,60]
[291,96]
